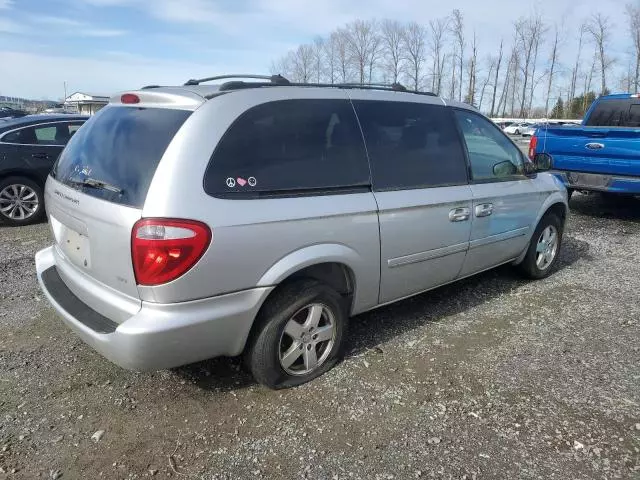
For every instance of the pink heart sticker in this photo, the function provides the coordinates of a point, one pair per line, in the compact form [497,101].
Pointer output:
[241,181]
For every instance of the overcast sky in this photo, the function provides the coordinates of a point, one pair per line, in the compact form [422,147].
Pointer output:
[104,46]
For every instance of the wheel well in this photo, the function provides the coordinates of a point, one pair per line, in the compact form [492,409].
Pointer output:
[22,173]
[337,275]
[558,209]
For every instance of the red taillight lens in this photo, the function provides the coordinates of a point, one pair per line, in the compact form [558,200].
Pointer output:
[532,147]
[164,249]
[129,98]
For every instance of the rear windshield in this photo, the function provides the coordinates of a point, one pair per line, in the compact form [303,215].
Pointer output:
[115,154]
[616,112]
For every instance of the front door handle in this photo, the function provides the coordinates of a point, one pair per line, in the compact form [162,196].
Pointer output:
[40,155]
[484,209]
[459,214]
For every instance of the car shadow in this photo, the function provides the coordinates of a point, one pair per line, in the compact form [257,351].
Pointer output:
[368,330]
[619,207]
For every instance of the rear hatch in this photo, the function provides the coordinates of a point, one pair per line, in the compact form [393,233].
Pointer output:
[603,150]
[95,194]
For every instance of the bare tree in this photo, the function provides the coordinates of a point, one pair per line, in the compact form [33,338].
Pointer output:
[599,27]
[392,35]
[576,68]
[319,65]
[363,44]
[485,83]
[495,80]
[437,37]
[331,57]
[415,50]
[552,67]
[633,16]
[339,38]
[528,35]
[457,27]
[473,66]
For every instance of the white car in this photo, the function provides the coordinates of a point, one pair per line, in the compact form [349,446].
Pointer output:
[516,128]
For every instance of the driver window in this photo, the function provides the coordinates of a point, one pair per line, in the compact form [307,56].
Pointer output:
[491,153]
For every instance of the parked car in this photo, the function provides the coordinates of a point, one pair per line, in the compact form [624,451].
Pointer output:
[531,129]
[603,154]
[28,148]
[254,218]
[516,128]
[8,112]
[504,125]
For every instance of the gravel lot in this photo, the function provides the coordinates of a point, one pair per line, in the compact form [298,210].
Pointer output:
[493,377]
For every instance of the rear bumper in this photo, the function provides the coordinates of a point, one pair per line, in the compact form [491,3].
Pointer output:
[158,336]
[599,182]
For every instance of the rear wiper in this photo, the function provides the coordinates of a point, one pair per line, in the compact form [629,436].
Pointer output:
[97,184]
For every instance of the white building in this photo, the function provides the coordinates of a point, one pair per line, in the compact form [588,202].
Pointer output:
[85,103]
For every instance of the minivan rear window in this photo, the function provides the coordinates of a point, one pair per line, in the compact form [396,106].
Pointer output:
[120,147]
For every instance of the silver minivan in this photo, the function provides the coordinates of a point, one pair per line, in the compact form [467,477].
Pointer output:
[254,218]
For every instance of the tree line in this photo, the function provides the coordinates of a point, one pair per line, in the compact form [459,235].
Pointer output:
[444,58]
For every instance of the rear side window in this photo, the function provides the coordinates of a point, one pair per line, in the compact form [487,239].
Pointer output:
[290,147]
[411,145]
[616,112]
[120,146]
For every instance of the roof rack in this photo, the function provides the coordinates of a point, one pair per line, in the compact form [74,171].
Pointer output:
[273,79]
[279,80]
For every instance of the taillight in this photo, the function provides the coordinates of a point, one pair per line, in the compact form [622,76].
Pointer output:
[129,98]
[164,249]
[533,143]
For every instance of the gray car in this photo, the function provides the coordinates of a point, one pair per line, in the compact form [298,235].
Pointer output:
[254,218]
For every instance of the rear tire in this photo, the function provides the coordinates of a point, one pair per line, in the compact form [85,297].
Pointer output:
[298,336]
[21,201]
[544,248]
[569,193]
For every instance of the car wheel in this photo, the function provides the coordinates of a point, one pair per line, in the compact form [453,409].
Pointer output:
[517,132]
[21,201]
[298,336]
[544,247]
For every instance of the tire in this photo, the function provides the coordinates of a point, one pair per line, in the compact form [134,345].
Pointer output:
[517,132]
[31,198]
[271,346]
[532,266]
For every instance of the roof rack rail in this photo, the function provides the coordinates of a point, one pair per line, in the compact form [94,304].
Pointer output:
[273,79]
[147,87]
[386,86]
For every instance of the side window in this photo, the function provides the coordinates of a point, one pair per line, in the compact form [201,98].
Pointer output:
[23,136]
[289,146]
[411,145]
[609,113]
[46,135]
[492,155]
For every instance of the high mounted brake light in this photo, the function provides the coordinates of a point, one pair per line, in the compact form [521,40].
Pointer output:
[129,98]
[164,249]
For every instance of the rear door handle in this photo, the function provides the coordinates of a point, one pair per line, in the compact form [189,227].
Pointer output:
[40,155]
[484,209]
[459,214]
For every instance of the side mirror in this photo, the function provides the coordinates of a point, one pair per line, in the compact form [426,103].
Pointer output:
[529,168]
[543,162]
[504,169]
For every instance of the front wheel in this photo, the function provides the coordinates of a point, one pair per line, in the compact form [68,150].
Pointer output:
[21,201]
[299,335]
[517,132]
[544,247]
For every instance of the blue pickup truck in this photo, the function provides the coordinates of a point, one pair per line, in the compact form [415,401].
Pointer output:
[601,155]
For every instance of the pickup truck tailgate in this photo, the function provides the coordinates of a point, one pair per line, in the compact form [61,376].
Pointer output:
[612,151]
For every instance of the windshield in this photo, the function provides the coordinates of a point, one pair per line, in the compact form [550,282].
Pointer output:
[119,147]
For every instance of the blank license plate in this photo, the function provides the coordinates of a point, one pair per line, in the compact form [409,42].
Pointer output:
[75,246]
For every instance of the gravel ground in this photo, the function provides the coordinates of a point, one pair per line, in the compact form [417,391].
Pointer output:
[493,377]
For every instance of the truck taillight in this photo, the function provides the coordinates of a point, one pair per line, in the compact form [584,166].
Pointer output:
[165,249]
[533,143]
